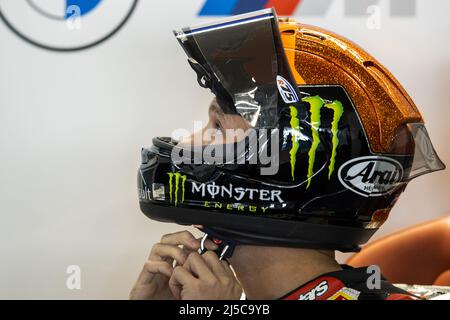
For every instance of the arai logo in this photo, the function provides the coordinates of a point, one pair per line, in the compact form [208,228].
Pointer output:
[371,176]
[286,90]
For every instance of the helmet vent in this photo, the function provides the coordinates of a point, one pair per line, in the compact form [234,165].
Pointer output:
[290,32]
[369,64]
[313,35]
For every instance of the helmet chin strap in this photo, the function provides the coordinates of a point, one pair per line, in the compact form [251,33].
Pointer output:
[225,245]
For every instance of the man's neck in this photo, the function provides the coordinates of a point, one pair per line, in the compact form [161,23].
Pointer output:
[270,272]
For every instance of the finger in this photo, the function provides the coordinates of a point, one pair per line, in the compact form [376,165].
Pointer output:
[197,266]
[210,245]
[226,265]
[180,277]
[165,251]
[151,268]
[184,238]
[213,262]
[160,267]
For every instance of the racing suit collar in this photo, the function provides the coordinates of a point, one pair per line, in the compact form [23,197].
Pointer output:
[346,284]
[324,286]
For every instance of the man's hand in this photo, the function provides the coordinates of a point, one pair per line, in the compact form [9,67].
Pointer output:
[204,277]
[153,281]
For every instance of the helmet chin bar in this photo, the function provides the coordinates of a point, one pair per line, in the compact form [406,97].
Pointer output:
[239,238]
[248,230]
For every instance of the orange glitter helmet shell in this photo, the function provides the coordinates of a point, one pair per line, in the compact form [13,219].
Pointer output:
[320,57]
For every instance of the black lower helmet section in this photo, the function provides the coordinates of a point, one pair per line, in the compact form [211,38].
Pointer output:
[253,231]
[312,201]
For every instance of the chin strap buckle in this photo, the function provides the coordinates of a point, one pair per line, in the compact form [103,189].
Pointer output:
[225,248]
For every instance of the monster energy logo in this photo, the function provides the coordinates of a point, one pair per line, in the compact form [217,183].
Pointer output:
[175,179]
[316,104]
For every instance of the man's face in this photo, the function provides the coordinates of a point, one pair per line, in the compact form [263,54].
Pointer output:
[222,128]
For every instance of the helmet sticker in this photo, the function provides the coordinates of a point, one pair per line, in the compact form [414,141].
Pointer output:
[177,179]
[317,103]
[371,176]
[296,136]
[286,90]
[213,190]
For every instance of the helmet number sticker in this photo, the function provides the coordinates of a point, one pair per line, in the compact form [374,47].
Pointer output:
[286,90]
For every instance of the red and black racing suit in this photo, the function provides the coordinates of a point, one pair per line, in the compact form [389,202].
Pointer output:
[347,284]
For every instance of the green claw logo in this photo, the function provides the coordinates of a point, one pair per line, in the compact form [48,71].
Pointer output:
[316,104]
[176,178]
[295,125]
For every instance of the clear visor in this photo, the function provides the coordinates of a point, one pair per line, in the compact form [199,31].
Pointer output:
[244,56]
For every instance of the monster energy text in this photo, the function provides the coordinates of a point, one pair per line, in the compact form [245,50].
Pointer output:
[236,193]
[177,191]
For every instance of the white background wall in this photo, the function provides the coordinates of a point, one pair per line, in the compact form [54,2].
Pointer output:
[72,125]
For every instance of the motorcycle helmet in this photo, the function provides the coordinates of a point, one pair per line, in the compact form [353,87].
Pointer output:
[345,136]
